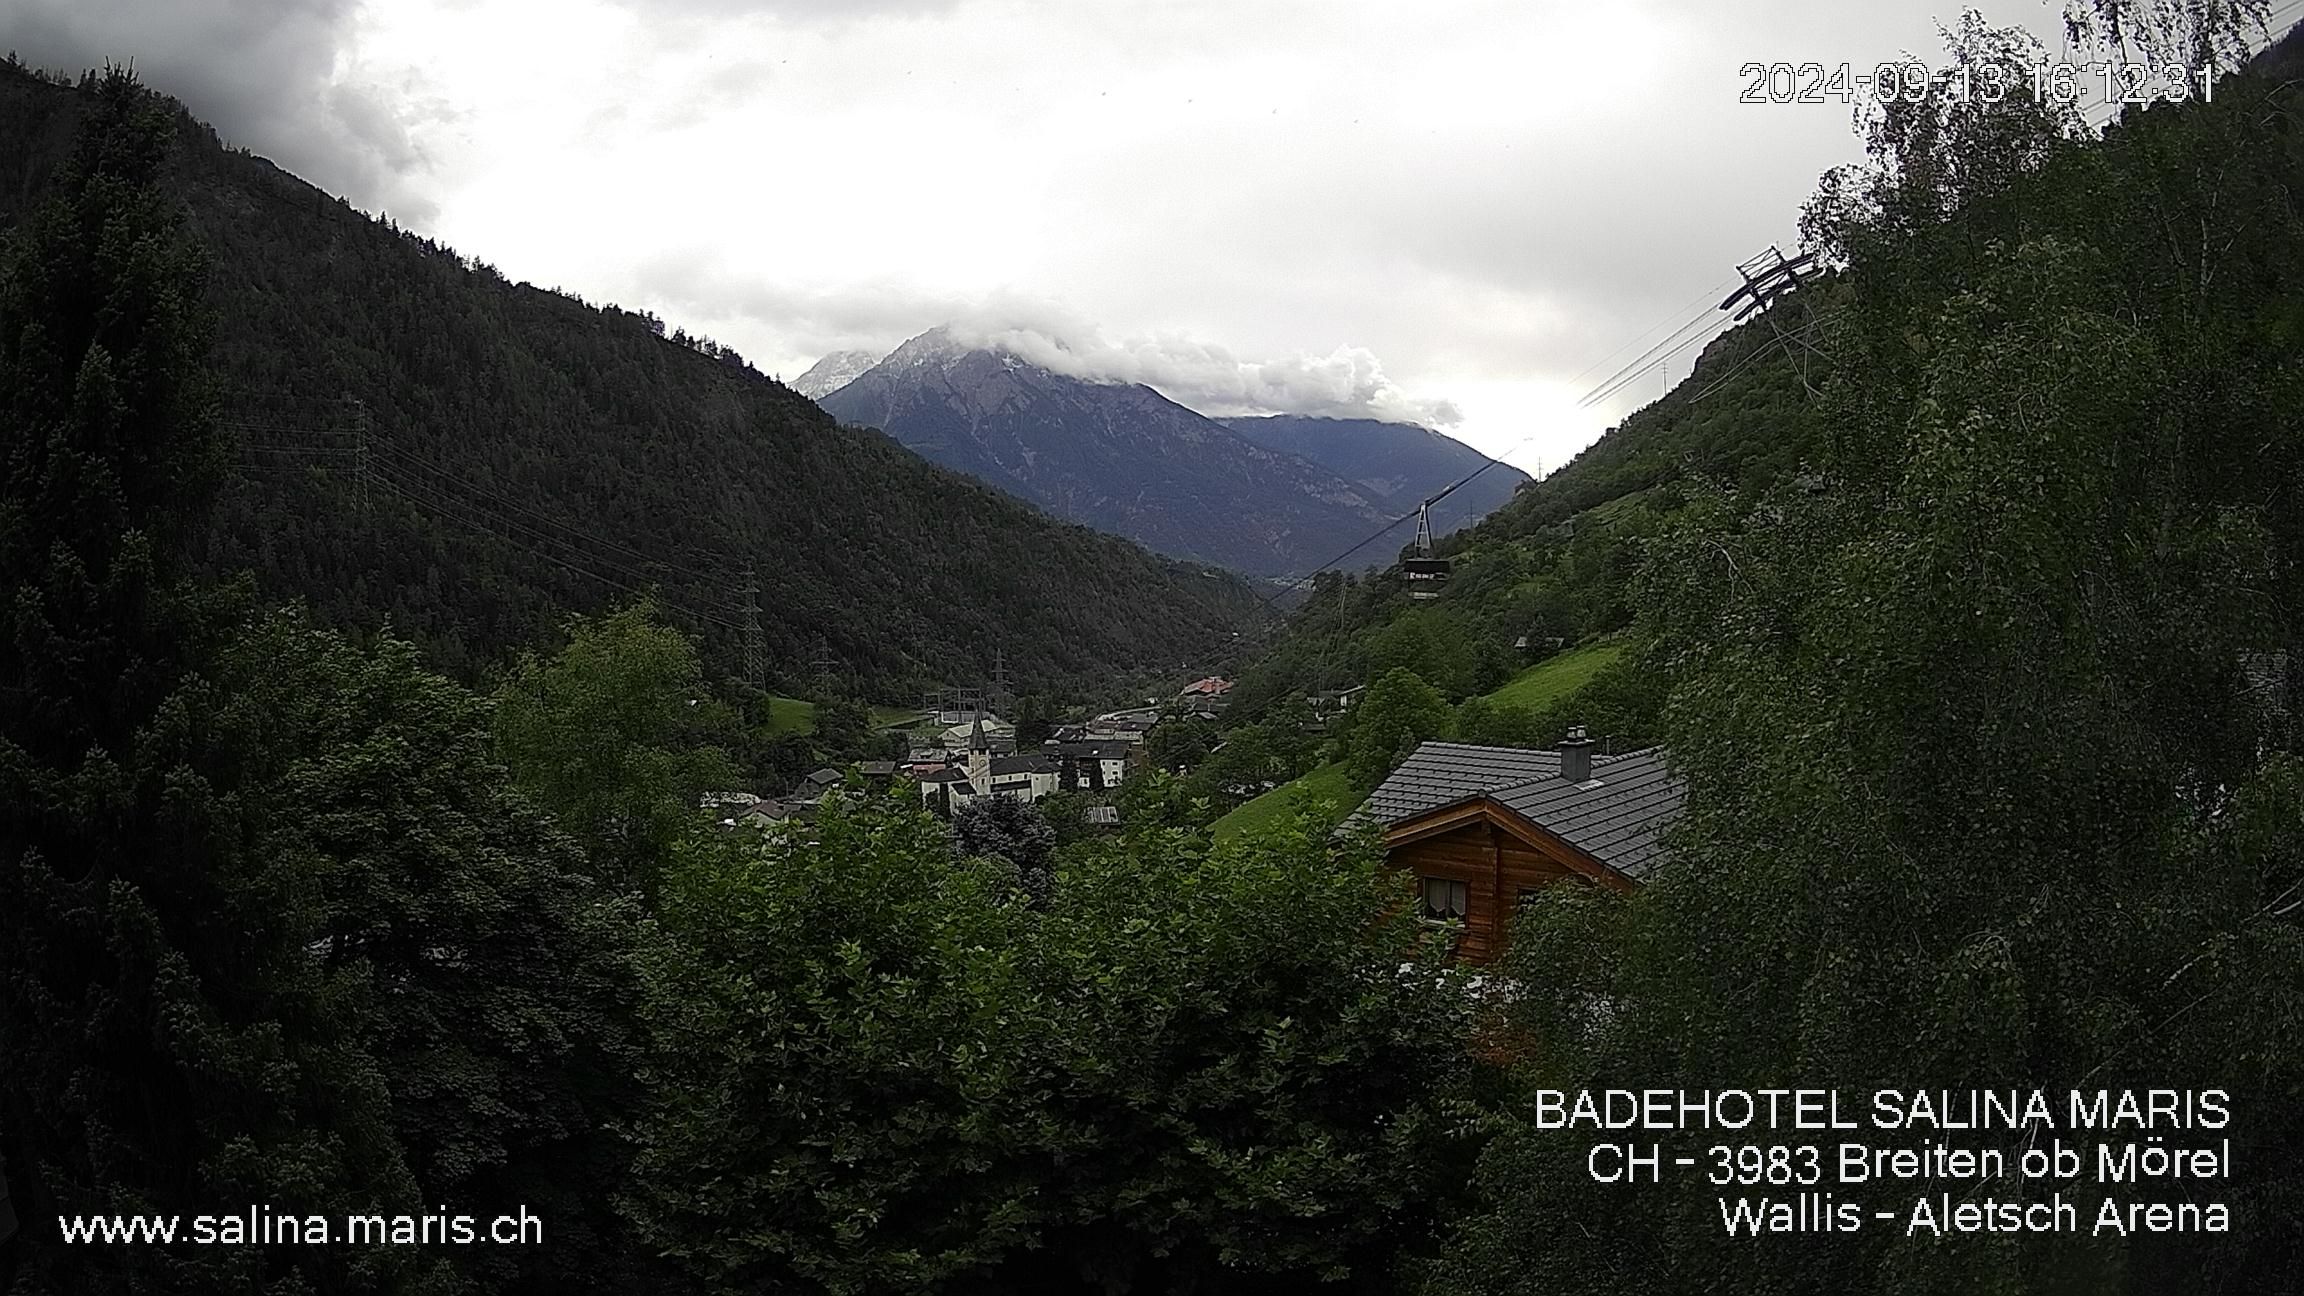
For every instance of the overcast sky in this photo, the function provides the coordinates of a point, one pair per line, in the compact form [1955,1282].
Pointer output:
[1445,210]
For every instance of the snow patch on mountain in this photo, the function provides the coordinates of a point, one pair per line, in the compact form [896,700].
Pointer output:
[1348,382]
[834,372]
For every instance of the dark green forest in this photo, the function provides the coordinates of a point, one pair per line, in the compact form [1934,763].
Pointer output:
[468,459]
[1973,623]
[1971,631]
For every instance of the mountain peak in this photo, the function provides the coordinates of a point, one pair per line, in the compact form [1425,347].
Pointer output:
[834,372]
[938,347]
[1119,457]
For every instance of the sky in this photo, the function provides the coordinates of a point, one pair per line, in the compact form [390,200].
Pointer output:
[1454,212]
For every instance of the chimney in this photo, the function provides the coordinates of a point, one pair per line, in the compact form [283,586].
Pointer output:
[1576,756]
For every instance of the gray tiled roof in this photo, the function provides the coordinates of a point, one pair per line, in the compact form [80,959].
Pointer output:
[1439,773]
[1024,765]
[1615,817]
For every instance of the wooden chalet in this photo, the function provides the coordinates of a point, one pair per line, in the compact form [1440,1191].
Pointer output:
[1484,828]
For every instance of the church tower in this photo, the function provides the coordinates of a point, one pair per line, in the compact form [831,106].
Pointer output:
[980,758]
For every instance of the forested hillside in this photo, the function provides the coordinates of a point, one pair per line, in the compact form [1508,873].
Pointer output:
[1555,564]
[1972,619]
[527,454]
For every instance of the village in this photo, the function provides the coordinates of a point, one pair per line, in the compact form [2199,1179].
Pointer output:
[1480,828]
[960,751]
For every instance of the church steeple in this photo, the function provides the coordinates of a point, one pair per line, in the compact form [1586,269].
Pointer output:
[980,758]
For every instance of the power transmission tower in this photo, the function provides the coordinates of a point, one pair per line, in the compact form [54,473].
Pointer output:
[1768,277]
[999,698]
[826,665]
[360,433]
[755,643]
[1776,276]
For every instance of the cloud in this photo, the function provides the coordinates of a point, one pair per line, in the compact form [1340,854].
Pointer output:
[1348,382]
[271,76]
[796,11]
[878,315]
[1478,198]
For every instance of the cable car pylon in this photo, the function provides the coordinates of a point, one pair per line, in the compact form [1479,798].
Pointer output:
[1426,574]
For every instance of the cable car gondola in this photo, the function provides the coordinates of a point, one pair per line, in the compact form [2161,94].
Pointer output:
[1427,575]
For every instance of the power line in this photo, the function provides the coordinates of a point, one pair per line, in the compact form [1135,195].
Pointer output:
[1265,604]
[1812,325]
[1701,298]
[469,514]
[477,516]
[409,482]
[1664,350]
[1696,329]
[461,482]
[1633,370]
[428,483]
[1779,279]
[475,513]
[464,483]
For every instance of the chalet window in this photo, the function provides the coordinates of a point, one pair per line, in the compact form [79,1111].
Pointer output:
[1441,898]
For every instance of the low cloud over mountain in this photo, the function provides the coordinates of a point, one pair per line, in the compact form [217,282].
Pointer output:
[1348,382]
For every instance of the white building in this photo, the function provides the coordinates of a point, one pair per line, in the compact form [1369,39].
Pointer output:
[1094,766]
[1027,778]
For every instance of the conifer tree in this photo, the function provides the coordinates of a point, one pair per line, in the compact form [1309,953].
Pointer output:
[151,1064]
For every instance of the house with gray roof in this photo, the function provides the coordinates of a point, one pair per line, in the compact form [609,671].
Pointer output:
[1484,828]
[1092,766]
[1026,777]
[759,814]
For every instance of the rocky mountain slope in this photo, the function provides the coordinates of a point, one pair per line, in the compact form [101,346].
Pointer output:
[1119,457]
[1402,462]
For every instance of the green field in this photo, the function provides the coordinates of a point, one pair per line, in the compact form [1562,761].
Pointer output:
[1554,678]
[1325,783]
[1546,682]
[1603,512]
[791,715]
[797,715]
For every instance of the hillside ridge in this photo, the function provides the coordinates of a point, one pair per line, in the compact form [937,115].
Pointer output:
[530,454]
